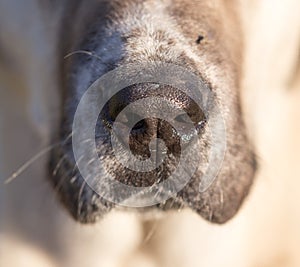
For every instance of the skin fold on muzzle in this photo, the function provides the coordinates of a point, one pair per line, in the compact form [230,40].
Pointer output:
[201,36]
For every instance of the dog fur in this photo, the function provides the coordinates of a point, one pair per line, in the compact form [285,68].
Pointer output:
[33,224]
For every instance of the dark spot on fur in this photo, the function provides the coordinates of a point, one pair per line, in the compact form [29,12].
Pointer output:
[200,39]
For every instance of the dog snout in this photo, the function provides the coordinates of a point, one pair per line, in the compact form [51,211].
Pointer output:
[182,119]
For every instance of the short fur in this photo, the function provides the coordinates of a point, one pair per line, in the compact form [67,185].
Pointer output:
[120,32]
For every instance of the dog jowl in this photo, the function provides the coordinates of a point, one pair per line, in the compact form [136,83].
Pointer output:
[201,37]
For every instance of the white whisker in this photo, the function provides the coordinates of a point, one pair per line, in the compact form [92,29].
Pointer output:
[25,166]
[89,53]
[79,206]
[58,165]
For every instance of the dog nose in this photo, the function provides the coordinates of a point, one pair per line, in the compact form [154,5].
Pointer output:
[143,131]
[144,127]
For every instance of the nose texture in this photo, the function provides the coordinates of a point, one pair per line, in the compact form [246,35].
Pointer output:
[154,129]
[144,126]
[141,135]
[144,134]
[170,136]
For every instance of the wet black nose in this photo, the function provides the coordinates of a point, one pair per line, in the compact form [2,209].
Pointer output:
[175,130]
[143,131]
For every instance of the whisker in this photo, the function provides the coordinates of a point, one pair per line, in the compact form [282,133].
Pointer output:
[67,138]
[88,53]
[91,161]
[151,232]
[77,162]
[27,164]
[79,206]
[58,165]
[85,52]
[61,181]
[73,179]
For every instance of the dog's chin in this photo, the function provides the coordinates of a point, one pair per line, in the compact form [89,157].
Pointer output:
[87,200]
[87,206]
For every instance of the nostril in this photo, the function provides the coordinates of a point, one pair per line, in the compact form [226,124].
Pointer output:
[195,122]
[133,121]
[181,118]
[129,120]
[141,125]
[114,111]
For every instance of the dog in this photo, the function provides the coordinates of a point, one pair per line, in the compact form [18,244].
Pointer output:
[52,52]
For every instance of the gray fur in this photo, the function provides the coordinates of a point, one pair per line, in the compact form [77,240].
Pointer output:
[133,31]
